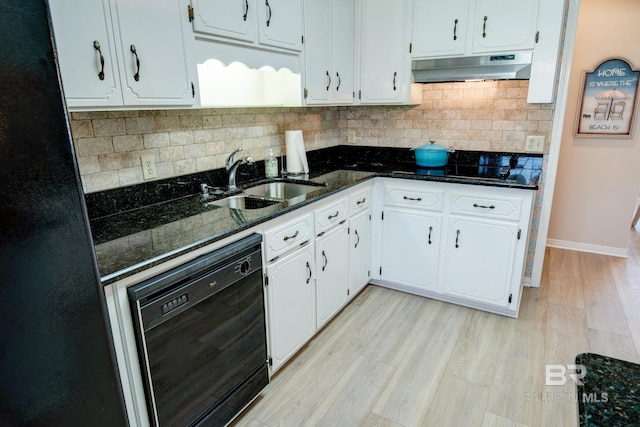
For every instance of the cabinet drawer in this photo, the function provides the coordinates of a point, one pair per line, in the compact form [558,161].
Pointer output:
[486,205]
[331,215]
[360,201]
[281,239]
[413,198]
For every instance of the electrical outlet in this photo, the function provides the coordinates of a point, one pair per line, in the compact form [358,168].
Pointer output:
[149,167]
[534,144]
[352,137]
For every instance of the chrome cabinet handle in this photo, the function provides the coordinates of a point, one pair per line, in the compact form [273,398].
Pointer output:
[339,81]
[475,205]
[430,230]
[133,50]
[484,27]
[309,270]
[419,199]
[359,202]
[269,12]
[325,260]
[357,241]
[395,75]
[328,81]
[246,10]
[455,30]
[457,237]
[96,46]
[292,237]
[334,215]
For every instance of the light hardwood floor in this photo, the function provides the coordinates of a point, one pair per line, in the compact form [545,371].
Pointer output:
[391,359]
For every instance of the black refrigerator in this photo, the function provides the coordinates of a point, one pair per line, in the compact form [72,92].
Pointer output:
[56,355]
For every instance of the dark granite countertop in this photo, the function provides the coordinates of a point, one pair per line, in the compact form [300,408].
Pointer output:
[137,227]
[610,392]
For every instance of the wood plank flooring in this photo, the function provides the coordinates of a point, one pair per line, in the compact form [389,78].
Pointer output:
[391,359]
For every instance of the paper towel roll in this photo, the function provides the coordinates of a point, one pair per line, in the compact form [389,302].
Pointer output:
[296,153]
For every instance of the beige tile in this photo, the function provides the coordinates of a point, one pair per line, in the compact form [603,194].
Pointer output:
[109,127]
[81,129]
[100,181]
[93,146]
[127,143]
[115,161]
[140,125]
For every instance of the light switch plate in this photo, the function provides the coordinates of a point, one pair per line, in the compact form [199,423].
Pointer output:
[149,167]
[534,144]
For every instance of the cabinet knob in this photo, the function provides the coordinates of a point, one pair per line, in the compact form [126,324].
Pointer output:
[328,81]
[246,10]
[455,30]
[484,27]
[457,237]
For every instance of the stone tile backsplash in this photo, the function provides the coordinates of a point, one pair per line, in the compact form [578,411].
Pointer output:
[488,116]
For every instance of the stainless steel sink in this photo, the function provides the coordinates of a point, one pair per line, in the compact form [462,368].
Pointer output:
[242,201]
[282,190]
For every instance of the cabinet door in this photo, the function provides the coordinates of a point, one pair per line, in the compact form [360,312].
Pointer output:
[479,260]
[234,19]
[332,261]
[360,252]
[504,25]
[291,304]
[78,26]
[280,23]
[318,71]
[439,28]
[343,48]
[410,246]
[383,47]
[157,73]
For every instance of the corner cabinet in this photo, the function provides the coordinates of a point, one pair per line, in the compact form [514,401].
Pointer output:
[116,53]
[329,51]
[467,242]
[383,50]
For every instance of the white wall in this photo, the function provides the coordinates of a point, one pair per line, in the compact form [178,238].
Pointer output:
[598,178]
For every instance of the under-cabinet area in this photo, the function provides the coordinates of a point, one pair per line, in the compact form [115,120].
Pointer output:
[459,243]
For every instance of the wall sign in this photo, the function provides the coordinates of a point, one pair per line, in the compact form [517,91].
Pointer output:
[608,100]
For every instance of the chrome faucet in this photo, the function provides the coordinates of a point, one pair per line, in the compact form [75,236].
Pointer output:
[232,168]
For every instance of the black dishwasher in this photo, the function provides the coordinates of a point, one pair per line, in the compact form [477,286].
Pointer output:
[201,336]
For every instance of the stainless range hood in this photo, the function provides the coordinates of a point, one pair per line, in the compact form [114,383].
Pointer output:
[493,67]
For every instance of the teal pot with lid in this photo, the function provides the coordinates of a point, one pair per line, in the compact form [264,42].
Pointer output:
[432,155]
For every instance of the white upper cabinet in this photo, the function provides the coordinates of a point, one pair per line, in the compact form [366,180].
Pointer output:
[329,51]
[157,72]
[471,27]
[82,45]
[439,28]
[504,25]
[143,50]
[383,49]
[234,19]
[280,23]
[264,23]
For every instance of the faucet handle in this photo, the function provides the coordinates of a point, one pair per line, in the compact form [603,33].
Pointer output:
[229,161]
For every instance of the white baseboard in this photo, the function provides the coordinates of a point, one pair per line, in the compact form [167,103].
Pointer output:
[586,247]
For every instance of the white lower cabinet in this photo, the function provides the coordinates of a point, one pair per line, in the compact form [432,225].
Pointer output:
[291,304]
[360,251]
[410,247]
[332,277]
[480,260]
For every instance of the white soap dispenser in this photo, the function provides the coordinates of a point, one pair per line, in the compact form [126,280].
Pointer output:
[271,165]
